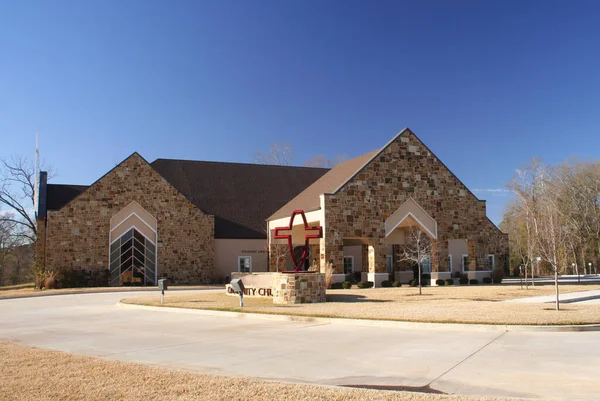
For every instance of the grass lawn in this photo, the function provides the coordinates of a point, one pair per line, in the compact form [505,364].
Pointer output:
[34,374]
[27,290]
[447,304]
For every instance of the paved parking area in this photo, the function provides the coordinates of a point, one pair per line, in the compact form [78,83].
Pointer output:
[518,364]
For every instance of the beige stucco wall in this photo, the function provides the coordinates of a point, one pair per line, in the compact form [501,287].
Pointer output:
[457,248]
[228,250]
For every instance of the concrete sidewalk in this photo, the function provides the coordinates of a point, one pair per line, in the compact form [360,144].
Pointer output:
[571,297]
[475,363]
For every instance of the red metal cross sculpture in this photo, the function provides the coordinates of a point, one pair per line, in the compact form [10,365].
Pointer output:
[307,236]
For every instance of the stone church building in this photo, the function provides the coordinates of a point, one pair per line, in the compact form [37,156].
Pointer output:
[196,222]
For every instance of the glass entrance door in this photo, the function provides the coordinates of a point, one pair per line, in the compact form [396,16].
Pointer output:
[132,260]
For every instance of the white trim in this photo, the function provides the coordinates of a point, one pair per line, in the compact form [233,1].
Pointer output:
[352,258]
[136,215]
[462,262]
[450,263]
[239,259]
[139,231]
[418,221]
[493,261]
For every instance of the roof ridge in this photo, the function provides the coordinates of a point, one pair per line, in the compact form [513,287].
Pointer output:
[241,163]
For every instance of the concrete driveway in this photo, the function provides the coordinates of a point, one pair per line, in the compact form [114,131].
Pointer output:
[517,364]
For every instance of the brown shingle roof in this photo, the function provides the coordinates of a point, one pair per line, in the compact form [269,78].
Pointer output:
[240,196]
[308,200]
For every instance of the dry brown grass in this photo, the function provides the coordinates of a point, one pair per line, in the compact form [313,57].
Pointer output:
[34,374]
[452,304]
[27,290]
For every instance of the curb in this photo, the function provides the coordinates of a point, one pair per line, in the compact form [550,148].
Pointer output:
[368,323]
[149,289]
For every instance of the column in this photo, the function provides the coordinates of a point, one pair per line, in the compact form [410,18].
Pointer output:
[377,262]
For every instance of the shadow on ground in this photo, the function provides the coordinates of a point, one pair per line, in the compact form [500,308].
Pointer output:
[421,389]
[353,298]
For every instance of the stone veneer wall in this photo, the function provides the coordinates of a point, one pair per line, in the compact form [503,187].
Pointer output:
[77,236]
[298,288]
[407,168]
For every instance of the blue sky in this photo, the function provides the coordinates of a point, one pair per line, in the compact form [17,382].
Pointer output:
[485,84]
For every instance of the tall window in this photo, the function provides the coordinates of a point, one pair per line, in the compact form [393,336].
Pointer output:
[491,261]
[132,260]
[426,266]
[244,264]
[348,264]
[465,263]
[389,263]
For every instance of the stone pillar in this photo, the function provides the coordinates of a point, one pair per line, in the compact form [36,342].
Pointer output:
[476,256]
[377,263]
[365,258]
[439,256]
[332,251]
[395,252]
[40,244]
[315,256]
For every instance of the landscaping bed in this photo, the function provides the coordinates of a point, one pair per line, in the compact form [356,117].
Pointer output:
[449,304]
[35,374]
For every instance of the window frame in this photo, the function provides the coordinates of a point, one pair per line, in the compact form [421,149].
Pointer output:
[463,262]
[390,267]
[487,256]
[239,267]
[352,264]
[450,263]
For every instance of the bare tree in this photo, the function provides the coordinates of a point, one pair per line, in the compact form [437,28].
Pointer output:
[278,154]
[514,224]
[322,161]
[416,249]
[526,185]
[17,191]
[10,240]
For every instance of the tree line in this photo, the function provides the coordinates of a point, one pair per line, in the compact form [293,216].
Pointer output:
[554,222]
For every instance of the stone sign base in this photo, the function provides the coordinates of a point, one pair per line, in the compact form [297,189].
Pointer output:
[258,285]
[298,288]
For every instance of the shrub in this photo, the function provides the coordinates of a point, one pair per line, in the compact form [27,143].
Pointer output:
[397,284]
[362,284]
[370,284]
[474,281]
[463,281]
[386,283]
[347,285]
[449,281]
[456,274]
[487,280]
[497,276]
[413,283]
[439,281]
[336,286]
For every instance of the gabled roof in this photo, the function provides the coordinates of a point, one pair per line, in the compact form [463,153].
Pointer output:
[240,196]
[308,200]
[59,195]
